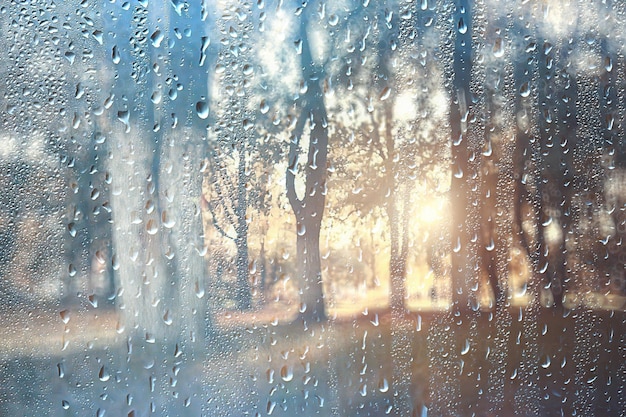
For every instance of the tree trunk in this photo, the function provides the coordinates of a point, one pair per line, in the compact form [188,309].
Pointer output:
[244,296]
[397,266]
[398,225]
[309,267]
[309,209]
[462,212]
[263,271]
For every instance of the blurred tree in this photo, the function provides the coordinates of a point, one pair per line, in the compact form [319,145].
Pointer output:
[234,149]
[311,124]
[464,162]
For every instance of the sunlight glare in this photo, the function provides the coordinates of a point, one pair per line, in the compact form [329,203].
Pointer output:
[432,211]
[405,107]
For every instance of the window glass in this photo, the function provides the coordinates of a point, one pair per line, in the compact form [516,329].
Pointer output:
[335,208]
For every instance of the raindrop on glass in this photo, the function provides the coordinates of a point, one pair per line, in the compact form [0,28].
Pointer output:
[202,109]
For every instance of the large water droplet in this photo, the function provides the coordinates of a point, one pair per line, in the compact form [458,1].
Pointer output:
[166,220]
[270,407]
[156,38]
[286,373]
[115,55]
[202,109]
[156,97]
[498,48]
[457,245]
[65,316]
[151,227]
[70,56]
[199,290]
[524,90]
[466,347]
[104,375]
[462,26]
[167,318]
[264,107]
[383,385]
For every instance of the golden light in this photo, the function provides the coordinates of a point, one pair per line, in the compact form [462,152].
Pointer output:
[431,212]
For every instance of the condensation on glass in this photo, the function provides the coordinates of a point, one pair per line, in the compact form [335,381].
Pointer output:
[331,208]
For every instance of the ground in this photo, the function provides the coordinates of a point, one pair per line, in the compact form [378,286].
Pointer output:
[362,362]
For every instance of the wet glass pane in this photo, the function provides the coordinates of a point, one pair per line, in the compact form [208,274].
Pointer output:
[315,208]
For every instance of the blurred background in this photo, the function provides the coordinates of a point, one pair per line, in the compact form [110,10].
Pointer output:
[346,208]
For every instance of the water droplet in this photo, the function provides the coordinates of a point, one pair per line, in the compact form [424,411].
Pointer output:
[202,109]
[93,300]
[462,26]
[466,347]
[383,385]
[457,245]
[151,227]
[524,90]
[115,55]
[156,97]
[80,91]
[167,318]
[166,220]
[247,124]
[115,263]
[384,95]
[65,404]
[270,407]
[104,375]
[199,290]
[264,107]
[119,327]
[498,48]
[156,38]
[248,70]
[95,193]
[70,56]
[124,116]
[65,316]
[178,6]
[71,227]
[286,373]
